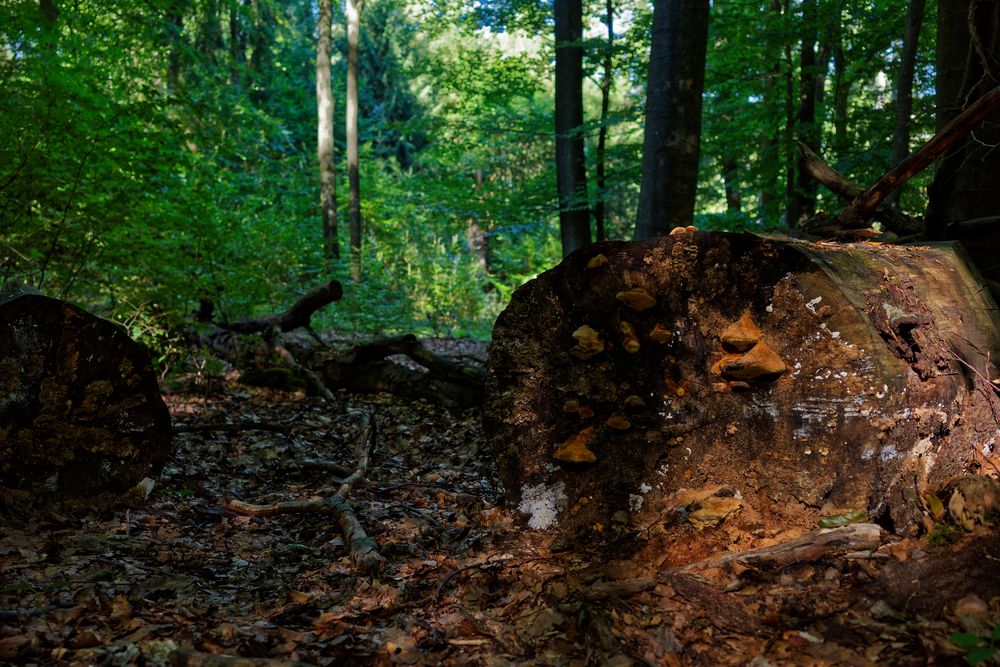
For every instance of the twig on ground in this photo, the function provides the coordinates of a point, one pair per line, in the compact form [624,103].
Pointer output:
[228,428]
[363,548]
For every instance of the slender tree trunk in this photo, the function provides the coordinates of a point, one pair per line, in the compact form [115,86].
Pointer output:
[730,177]
[904,88]
[237,44]
[354,8]
[571,165]
[175,19]
[792,211]
[769,207]
[672,138]
[602,137]
[324,139]
[805,190]
[841,93]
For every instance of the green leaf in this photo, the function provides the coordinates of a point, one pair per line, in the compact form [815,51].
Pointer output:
[979,656]
[966,640]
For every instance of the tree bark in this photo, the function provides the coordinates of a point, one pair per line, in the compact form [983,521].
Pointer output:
[672,138]
[943,143]
[354,8]
[571,165]
[904,88]
[698,379]
[806,128]
[602,137]
[965,182]
[324,138]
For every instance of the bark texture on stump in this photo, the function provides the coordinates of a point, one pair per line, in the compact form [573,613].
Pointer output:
[705,379]
[79,402]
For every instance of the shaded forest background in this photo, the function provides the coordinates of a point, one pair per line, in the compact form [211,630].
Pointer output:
[162,152]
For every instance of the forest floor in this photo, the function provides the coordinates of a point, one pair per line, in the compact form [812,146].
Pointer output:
[183,578]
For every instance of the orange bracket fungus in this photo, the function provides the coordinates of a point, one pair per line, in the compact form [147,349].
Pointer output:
[596,261]
[747,356]
[575,449]
[636,298]
[588,343]
[741,335]
[660,334]
[619,422]
[629,340]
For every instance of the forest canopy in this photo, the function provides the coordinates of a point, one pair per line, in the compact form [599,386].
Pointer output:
[160,153]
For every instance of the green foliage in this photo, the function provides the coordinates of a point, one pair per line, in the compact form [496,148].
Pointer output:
[978,649]
[163,152]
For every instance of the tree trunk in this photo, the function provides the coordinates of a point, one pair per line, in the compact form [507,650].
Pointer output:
[730,179]
[965,183]
[354,8]
[80,410]
[806,128]
[841,95]
[672,138]
[602,137]
[571,165]
[904,88]
[324,138]
[703,378]
[770,145]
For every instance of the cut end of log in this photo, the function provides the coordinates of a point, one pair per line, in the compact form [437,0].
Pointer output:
[763,371]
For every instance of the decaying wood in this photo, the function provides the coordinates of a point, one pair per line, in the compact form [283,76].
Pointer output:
[367,368]
[80,408]
[268,355]
[363,549]
[892,218]
[860,210]
[855,538]
[704,383]
[299,315]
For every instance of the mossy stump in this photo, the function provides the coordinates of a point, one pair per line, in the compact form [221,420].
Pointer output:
[80,409]
[740,384]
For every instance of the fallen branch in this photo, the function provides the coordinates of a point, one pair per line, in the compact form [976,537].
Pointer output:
[857,537]
[856,214]
[363,548]
[299,315]
[892,218]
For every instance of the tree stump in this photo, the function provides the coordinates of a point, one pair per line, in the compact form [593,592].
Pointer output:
[709,379]
[80,410]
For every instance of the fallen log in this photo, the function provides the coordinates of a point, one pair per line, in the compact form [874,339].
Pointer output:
[263,353]
[80,409]
[704,380]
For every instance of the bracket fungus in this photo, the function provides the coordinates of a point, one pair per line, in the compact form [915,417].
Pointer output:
[660,334]
[575,449]
[588,343]
[636,298]
[629,340]
[596,261]
[619,422]
[741,335]
[747,356]
[573,406]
